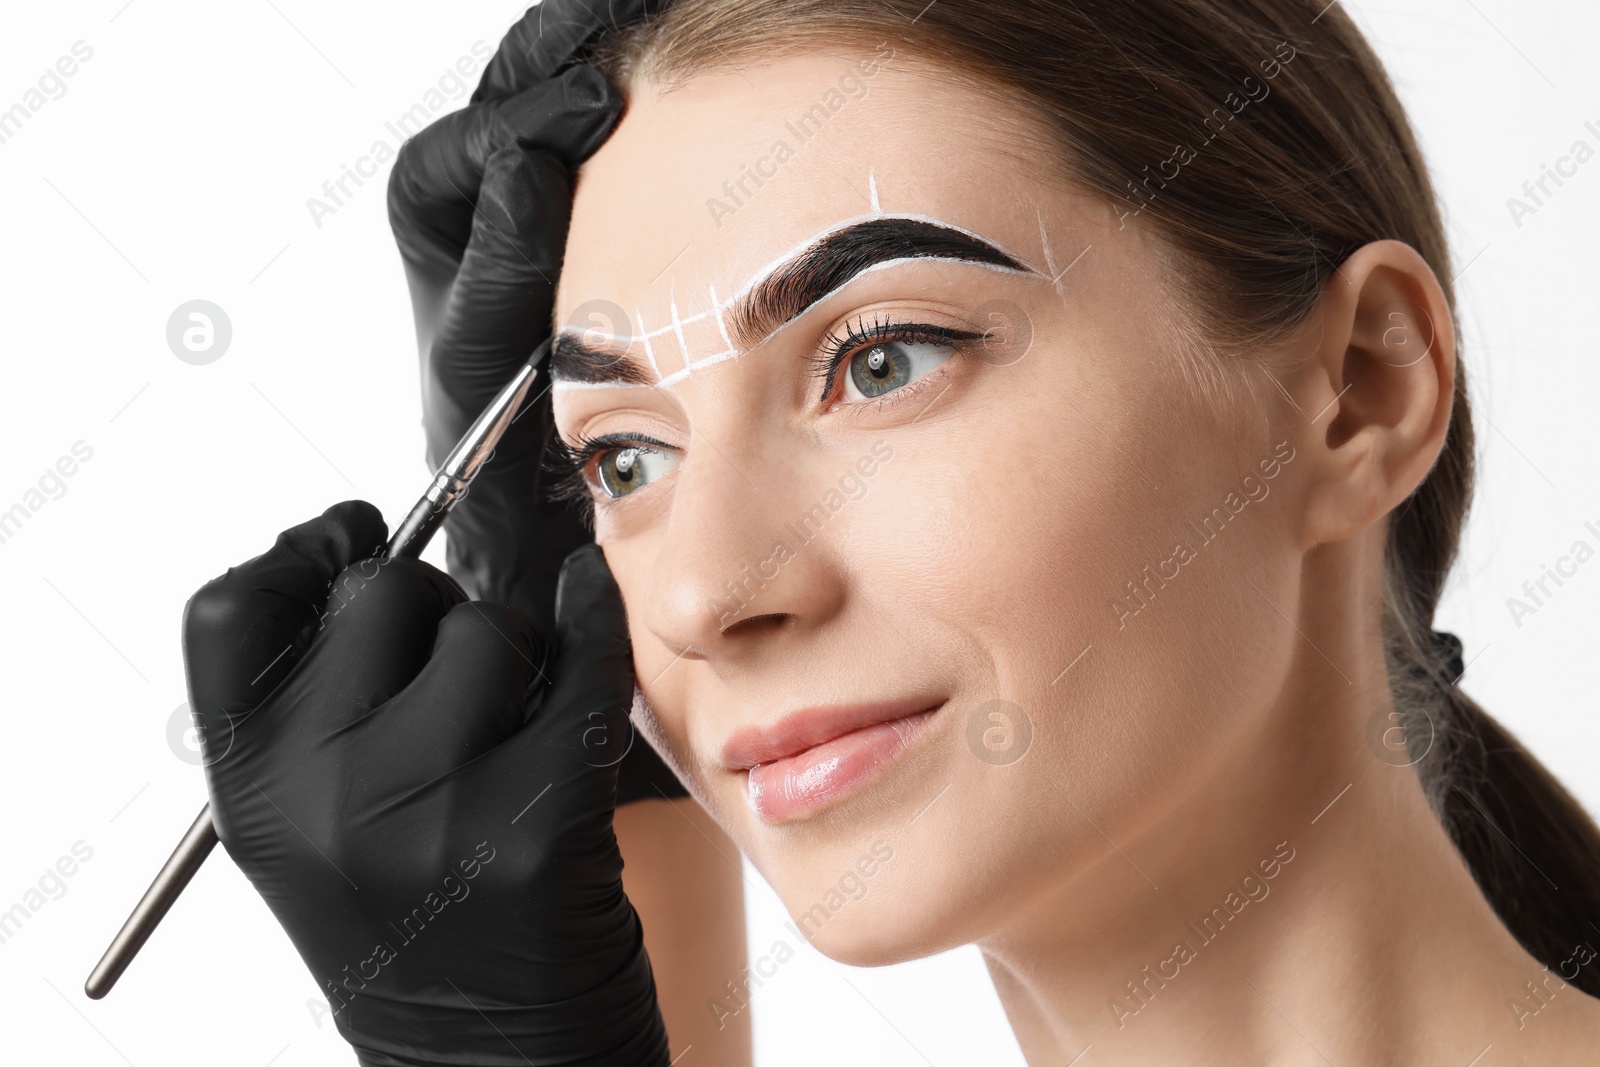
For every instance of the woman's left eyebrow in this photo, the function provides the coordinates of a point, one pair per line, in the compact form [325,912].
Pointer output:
[784,290]
[834,259]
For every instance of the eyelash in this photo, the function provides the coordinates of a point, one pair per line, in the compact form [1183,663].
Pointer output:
[825,365]
[571,463]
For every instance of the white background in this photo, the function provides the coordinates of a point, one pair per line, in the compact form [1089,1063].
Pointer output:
[177,166]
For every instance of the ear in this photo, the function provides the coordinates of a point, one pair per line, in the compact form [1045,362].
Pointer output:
[1377,386]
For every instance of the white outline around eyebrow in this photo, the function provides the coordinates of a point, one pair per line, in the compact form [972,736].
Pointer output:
[722,327]
[732,352]
[677,322]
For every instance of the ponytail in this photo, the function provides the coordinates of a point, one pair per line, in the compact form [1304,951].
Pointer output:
[1532,849]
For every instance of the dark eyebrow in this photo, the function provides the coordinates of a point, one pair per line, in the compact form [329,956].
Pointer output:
[836,258]
[572,359]
[787,292]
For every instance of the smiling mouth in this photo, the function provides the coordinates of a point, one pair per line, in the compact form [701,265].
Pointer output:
[815,755]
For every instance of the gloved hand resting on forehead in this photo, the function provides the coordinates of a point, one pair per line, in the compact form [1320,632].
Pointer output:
[438,846]
[479,204]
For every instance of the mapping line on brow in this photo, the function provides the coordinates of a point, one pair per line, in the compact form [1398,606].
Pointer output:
[789,257]
[1050,259]
[882,265]
[733,352]
[691,365]
[782,260]
[683,372]
[778,263]
[722,327]
[643,335]
[872,188]
[669,380]
[1044,239]
[565,385]
[649,352]
[677,325]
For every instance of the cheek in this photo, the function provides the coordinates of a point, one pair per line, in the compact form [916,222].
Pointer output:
[1017,538]
[1012,549]
[1010,521]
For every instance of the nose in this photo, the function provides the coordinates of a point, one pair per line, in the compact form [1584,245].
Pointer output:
[745,560]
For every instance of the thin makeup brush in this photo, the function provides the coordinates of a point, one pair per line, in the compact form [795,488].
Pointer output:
[449,484]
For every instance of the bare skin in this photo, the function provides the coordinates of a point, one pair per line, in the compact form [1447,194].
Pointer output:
[683,876]
[1214,726]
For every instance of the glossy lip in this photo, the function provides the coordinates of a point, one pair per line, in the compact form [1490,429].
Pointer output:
[806,728]
[810,758]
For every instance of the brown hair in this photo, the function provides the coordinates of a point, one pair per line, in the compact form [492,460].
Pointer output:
[1299,154]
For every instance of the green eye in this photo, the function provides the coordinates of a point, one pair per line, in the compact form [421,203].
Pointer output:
[888,365]
[624,470]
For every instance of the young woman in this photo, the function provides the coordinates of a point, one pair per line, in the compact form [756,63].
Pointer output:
[1029,440]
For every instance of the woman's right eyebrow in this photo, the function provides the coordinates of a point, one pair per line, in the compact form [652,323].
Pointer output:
[787,290]
[573,359]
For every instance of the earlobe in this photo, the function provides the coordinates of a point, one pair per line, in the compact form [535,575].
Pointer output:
[1381,378]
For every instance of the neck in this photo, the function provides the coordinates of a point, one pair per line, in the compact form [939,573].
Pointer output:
[1279,917]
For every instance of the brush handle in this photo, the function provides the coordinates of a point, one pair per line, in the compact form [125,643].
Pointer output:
[449,485]
[154,905]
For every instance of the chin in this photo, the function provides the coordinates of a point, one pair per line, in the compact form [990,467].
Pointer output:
[876,905]
[871,933]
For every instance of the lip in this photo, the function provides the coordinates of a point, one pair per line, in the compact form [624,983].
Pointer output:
[812,755]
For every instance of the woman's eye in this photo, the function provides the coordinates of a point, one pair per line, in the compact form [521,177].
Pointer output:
[623,470]
[886,366]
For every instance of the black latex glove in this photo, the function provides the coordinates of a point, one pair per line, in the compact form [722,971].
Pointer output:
[444,863]
[480,203]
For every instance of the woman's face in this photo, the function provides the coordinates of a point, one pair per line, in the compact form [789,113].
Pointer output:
[877,561]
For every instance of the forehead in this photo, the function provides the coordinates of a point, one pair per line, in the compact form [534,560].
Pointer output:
[703,188]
